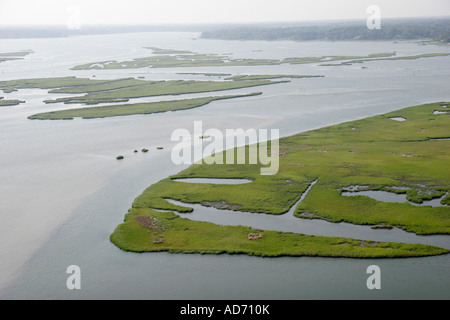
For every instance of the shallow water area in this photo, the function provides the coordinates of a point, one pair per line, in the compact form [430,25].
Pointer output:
[399,119]
[289,223]
[386,196]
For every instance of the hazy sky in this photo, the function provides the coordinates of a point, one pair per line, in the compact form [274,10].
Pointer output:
[14,12]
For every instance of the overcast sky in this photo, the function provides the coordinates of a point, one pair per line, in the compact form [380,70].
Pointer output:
[15,12]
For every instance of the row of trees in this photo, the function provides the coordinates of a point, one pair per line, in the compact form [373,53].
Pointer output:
[435,29]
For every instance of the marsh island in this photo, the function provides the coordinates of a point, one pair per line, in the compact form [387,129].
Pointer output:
[379,153]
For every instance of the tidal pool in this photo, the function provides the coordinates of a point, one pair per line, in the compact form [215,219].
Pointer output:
[213,181]
[400,119]
[290,223]
[386,196]
[49,225]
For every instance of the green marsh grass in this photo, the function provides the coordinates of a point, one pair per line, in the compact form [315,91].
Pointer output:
[376,152]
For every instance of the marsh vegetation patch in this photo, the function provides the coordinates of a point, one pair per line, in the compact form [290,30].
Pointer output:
[320,177]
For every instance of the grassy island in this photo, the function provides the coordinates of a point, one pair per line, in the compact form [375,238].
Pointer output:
[147,230]
[377,153]
[120,91]
[132,109]
[269,77]
[117,93]
[166,60]
[176,59]
[10,103]
[155,88]
[94,91]
[10,56]
[380,58]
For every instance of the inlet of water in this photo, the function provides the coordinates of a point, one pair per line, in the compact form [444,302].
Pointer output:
[386,196]
[290,223]
[400,119]
[214,181]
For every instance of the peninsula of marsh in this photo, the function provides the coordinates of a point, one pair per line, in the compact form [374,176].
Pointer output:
[377,152]
[83,154]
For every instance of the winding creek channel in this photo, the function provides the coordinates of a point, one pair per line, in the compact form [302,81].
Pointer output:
[289,223]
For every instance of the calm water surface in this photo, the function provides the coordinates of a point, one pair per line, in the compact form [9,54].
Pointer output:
[63,192]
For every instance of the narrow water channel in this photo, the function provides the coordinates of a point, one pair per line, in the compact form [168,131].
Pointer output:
[289,223]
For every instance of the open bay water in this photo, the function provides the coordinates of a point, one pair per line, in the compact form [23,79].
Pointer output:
[63,192]
[109,273]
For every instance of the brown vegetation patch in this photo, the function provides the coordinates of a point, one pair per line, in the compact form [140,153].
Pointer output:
[221,205]
[255,236]
[158,240]
[364,244]
[308,214]
[150,223]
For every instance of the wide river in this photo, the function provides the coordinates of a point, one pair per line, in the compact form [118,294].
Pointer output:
[63,192]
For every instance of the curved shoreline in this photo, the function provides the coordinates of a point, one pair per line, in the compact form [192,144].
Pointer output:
[317,227]
[281,189]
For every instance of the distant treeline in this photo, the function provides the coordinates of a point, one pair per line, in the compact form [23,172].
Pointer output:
[17,32]
[433,29]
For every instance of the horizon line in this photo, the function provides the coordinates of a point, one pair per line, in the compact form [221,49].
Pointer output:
[220,23]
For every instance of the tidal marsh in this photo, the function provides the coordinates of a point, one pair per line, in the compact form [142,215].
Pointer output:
[381,154]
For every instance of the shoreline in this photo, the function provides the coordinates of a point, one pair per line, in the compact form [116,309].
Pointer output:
[36,230]
[86,173]
[341,166]
[155,269]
